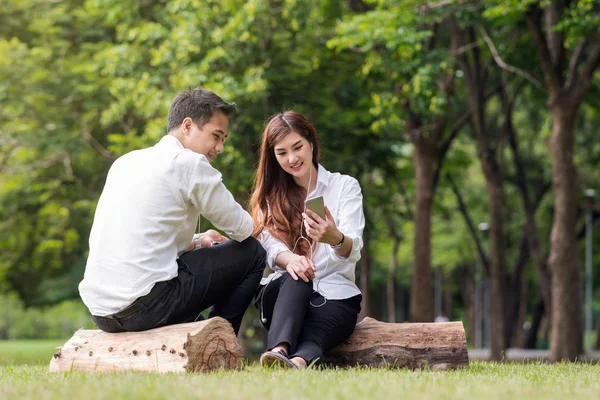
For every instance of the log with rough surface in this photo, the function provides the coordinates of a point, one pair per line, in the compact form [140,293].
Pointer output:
[196,346]
[437,346]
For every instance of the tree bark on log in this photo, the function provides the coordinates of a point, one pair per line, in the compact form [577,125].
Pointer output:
[438,346]
[202,346]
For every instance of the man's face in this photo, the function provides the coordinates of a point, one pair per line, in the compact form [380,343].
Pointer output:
[208,140]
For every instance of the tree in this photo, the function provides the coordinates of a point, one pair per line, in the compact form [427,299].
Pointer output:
[566,40]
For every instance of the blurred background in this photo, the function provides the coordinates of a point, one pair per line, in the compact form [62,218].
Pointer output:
[471,126]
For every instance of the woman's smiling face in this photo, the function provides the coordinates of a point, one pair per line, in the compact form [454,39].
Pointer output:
[294,155]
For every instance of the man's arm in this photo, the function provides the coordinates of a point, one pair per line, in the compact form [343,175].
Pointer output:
[215,203]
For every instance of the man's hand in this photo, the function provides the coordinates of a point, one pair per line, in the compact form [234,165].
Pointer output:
[207,238]
[210,236]
[300,266]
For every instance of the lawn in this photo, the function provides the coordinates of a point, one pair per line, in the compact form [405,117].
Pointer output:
[480,381]
[31,352]
[24,364]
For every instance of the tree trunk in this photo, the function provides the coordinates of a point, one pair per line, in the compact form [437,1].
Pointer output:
[518,337]
[447,307]
[391,282]
[475,81]
[192,347]
[530,203]
[438,346]
[536,322]
[495,194]
[597,345]
[364,270]
[567,315]
[514,295]
[467,293]
[421,296]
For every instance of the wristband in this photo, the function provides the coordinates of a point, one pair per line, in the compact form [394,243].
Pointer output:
[196,239]
[337,246]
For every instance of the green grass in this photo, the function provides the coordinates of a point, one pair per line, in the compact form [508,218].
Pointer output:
[479,381]
[31,352]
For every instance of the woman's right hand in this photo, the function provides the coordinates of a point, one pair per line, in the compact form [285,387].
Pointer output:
[301,267]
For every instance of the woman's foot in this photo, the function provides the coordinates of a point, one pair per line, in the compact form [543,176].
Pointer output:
[277,357]
[299,362]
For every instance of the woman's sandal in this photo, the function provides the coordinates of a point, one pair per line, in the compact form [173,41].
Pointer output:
[278,358]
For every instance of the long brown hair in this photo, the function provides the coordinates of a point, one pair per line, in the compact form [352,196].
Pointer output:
[277,202]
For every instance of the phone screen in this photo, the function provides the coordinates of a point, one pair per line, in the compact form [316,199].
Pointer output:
[317,205]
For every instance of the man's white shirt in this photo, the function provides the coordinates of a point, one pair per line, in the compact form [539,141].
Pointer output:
[145,219]
[335,275]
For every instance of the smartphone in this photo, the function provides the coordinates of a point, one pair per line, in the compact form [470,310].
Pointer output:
[317,205]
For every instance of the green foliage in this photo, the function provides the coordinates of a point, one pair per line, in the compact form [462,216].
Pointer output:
[55,322]
[402,68]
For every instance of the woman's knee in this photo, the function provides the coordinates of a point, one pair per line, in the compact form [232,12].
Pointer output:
[296,284]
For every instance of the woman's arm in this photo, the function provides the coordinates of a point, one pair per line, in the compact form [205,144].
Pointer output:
[351,225]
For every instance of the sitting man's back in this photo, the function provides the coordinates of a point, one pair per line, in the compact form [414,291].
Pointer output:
[138,274]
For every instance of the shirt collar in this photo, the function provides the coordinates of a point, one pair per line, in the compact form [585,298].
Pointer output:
[323,176]
[170,140]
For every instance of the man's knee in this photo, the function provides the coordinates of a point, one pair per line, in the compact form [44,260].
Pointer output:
[253,246]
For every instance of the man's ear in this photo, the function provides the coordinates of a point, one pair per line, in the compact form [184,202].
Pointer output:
[186,125]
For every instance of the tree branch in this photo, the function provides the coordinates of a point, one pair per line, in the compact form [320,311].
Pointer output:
[584,80]
[541,46]
[95,144]
[504,65]
[465,212]
[555,38]
[574,62]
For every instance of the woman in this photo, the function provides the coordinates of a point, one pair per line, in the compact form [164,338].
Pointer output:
[310,303]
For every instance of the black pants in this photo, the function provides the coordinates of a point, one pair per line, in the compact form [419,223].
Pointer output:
[293,316]
[224,277]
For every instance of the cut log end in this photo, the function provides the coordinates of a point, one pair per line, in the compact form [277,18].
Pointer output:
[212,350]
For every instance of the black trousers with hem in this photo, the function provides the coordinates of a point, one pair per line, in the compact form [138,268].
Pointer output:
[302,318]
[224,277]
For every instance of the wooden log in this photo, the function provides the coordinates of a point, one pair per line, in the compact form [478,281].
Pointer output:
[438,346]
[192,347]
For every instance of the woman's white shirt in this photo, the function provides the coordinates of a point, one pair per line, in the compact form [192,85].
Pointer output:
[335,275]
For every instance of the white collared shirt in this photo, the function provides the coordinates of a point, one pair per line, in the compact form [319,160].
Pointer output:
[335,275]
[145,219]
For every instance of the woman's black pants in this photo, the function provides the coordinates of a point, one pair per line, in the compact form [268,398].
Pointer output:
[295,314]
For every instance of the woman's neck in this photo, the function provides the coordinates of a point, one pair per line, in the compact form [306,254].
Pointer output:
[304,181]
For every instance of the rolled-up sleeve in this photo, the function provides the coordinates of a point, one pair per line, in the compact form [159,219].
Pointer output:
[215,203]
[273,247]
[351,220]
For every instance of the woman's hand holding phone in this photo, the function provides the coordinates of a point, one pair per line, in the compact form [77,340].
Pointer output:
[321,230]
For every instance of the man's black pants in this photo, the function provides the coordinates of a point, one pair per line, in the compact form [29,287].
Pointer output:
[303,319]
[224,276]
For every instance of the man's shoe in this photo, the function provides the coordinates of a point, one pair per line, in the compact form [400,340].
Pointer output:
[276,359]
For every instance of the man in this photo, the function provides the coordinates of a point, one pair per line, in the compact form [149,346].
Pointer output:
[140,273]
